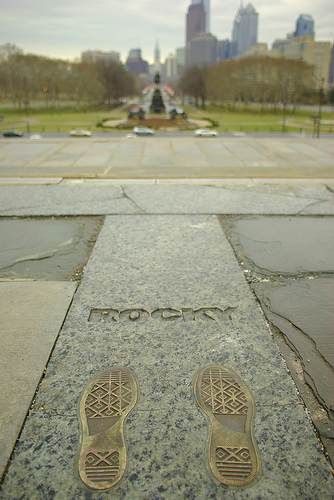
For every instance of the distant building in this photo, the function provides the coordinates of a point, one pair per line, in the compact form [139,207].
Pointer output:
[136,64]
[317,54]
[157,54]
[280,44]
[180,56]
[258,49]
[195,21]
[91,56]
[245,29]
[304,26]
[206,5]
[171,72]
[202,50]
[157,58]
[224,50]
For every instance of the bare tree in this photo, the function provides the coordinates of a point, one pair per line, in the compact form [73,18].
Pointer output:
[193,83]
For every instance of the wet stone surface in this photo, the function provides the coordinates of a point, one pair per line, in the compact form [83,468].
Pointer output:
[303,311]
[48,249]
[284,245]
[289,262]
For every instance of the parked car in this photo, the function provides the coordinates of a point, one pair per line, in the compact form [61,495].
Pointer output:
[80,133]
[12,133]
[143,131]
[175,112]
[136,112]
[35,137]
[205,132]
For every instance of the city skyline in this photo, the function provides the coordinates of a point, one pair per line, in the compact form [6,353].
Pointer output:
[69,27]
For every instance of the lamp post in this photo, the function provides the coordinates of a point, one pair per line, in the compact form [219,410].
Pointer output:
[321,98]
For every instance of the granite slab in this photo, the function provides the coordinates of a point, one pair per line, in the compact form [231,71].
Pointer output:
[192,306]
[104,197]
[168,460]
[31,316]
[227,199]
[65,199]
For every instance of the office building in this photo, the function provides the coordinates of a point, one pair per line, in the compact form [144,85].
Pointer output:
[171,72]
[317,54]
[224,49]
[202,50]
[195,21]
[180,55]
[92,56]
[304,26]
[257,50]
[135,63]
[245,29]
[206,5]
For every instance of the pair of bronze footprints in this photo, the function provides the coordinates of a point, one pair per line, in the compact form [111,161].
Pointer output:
[220,393]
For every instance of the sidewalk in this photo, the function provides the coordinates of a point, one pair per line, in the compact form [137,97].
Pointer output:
[168,158]
[165,247]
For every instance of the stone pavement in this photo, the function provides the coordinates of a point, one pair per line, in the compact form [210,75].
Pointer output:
[31,328]
[199,252]
[122,158]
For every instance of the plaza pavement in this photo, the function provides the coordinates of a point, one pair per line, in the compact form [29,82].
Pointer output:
[260,249]
[159,158]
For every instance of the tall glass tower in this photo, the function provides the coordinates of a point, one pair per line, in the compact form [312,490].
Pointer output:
[304,26]
[245,29]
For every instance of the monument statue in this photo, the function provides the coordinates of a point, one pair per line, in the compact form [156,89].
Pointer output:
[157,103]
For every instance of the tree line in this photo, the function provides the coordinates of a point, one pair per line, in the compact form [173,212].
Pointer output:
[264,80]
[28,78]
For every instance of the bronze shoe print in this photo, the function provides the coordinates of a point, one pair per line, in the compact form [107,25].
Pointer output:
[105,403]
[230,408]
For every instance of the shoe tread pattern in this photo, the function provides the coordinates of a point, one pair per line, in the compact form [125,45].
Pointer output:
[222,393]
[110,396]
[102,465]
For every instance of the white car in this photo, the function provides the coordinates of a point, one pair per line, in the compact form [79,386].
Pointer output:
[80,133]
[35,137]
[205,132]
[143,131]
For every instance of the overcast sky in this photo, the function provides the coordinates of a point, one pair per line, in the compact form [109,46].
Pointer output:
[64,28]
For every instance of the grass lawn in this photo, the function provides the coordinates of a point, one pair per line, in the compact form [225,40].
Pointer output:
[63,120]
[256,121]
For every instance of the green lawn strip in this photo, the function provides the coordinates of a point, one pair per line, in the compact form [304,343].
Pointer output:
[55,121]
[64,120]
[256,121]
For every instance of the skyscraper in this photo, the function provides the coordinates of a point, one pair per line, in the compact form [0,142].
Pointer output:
[195,21]
[304,26]
[223,49]
[206,5]
[202,50]
[245,29]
